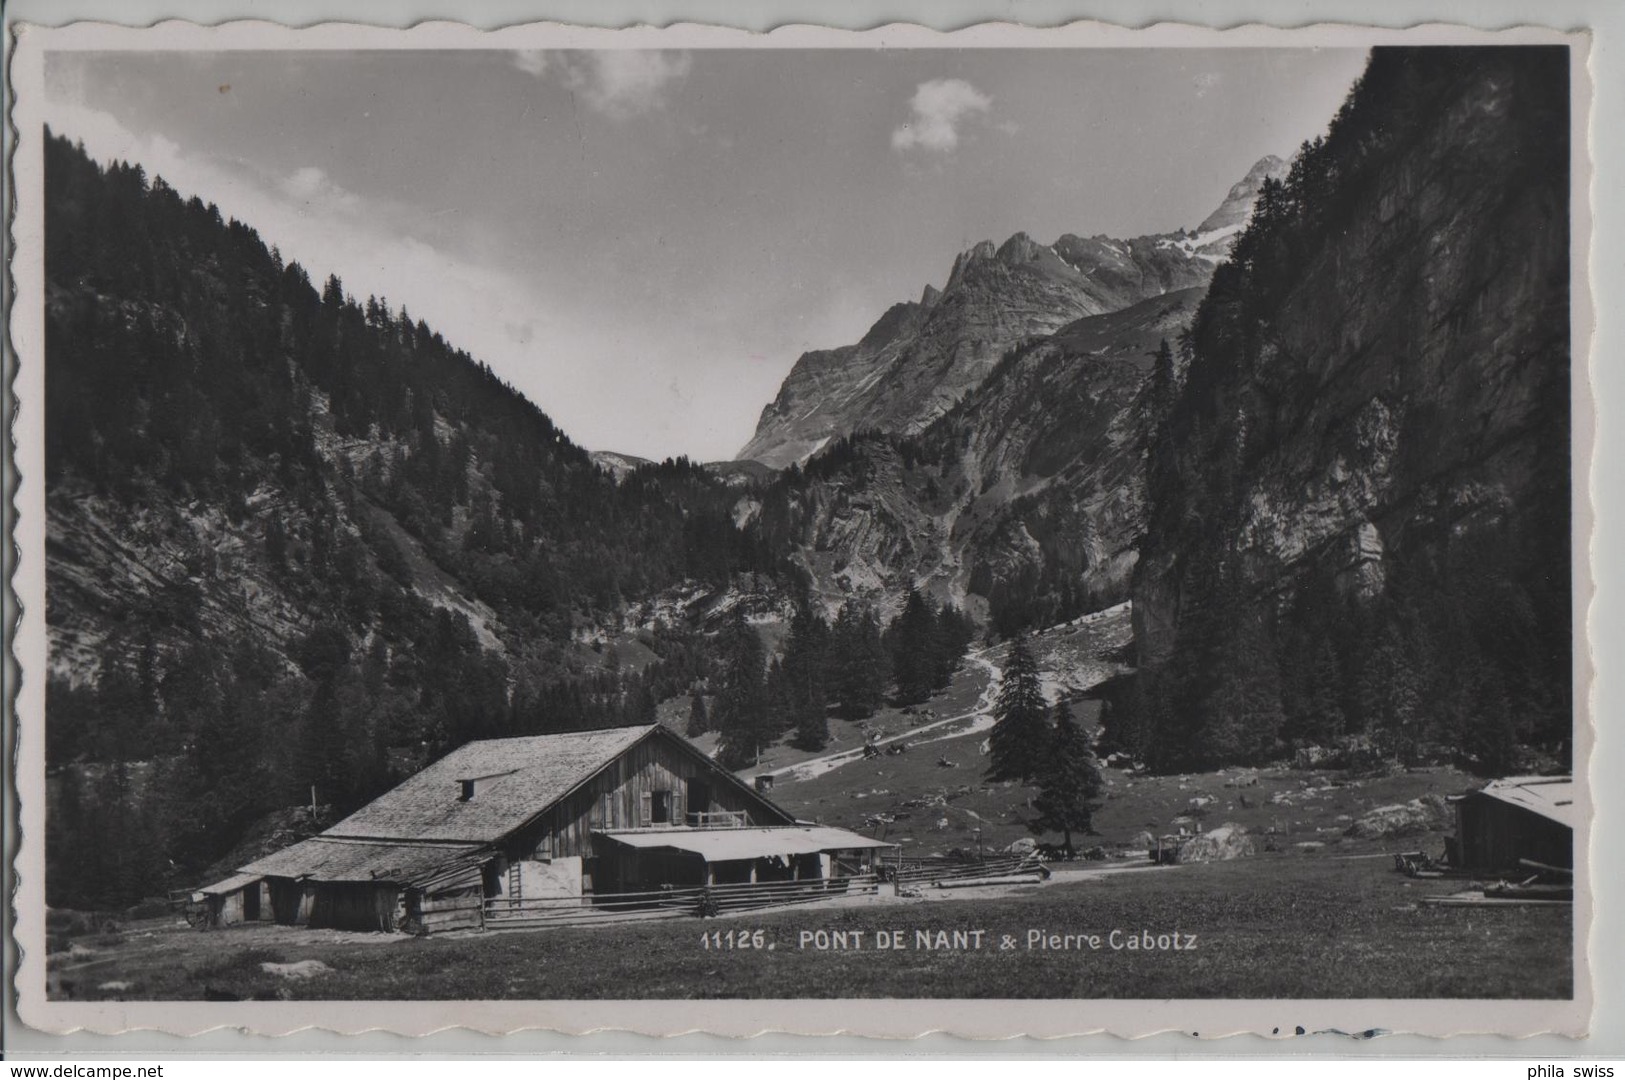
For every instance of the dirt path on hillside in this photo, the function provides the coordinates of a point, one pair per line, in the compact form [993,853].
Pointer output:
[980,716]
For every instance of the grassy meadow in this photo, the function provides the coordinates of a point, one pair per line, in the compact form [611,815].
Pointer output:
[1271,926]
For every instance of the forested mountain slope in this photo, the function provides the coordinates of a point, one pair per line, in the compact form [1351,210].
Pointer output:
[1359,495]
[296,539]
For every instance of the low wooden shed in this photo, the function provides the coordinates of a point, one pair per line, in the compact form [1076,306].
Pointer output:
[1518,817]
[238,899]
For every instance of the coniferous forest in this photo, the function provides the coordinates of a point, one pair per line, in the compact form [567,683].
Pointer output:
[356,463]
[1438,628]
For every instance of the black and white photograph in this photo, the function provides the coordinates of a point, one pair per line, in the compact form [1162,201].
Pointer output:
[628,520]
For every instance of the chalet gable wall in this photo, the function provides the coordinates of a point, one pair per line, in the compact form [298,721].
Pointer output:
[622,796]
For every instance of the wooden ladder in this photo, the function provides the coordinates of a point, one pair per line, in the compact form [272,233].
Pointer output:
[513,884]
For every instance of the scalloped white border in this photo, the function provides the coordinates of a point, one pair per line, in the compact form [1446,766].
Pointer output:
[739,1018]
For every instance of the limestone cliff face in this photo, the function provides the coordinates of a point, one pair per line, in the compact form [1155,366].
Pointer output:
[923,357]
[829,385]
[1035,478]
[1384,369]
[1054,442]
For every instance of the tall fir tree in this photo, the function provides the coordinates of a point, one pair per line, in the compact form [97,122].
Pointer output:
[953,634]
[740,716]
[806,669]
[778,704]
[1069,781]
[857,662]
[699,722]
[1019,741]
[912,641]
[1239,718]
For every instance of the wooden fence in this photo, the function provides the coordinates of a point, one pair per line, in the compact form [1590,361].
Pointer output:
[670,903]
[931,871]
[719,819]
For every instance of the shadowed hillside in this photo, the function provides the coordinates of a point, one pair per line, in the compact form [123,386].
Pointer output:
[1359,495]
[300,543]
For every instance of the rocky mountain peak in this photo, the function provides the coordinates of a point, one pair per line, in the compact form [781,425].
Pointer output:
[898,320]
[921,357]
[976,253]
[1238,204]
[1019,249]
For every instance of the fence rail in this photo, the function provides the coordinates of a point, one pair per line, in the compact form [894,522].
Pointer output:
[917,871]
[719,819]
[690,902]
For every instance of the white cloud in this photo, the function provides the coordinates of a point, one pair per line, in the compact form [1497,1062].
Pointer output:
[622,83]
[531,61]
[310,185]
[305,182]
[940,106]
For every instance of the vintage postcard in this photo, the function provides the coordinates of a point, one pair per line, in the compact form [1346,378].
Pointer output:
[1005,532]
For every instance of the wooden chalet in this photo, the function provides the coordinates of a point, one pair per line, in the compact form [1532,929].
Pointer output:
[581,816]
[1518,817]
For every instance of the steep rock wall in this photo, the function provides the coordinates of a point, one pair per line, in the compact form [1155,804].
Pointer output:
[1408,388]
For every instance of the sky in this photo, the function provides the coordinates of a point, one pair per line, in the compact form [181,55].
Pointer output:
[643,242]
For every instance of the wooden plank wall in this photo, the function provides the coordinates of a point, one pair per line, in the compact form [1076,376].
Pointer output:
[1494,835]
[355,906]
[445,911]
[614,799]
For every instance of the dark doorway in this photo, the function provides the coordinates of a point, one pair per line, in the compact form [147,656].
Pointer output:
[731,872]
[251,903]
[699,798]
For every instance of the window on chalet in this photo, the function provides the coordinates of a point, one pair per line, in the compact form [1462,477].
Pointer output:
[657,808]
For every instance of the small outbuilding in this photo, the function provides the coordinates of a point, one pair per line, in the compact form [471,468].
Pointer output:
[1518,817]
[238,899]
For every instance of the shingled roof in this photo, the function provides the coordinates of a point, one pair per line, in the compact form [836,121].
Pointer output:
[332,859]
[513,781]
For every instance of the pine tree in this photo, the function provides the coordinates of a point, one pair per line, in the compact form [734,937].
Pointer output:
[1325,696]
[741,700]
[778,710]
[954,633]
[1164,382]
[698,721]
[1492,743]
[1019,741]
[806,672]
[812,729]
[857,662]
[912,642]
[1390,691]
[1069,782]
[642,708]
[1240,718]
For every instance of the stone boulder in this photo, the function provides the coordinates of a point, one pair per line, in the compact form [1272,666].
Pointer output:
[1228,841]
[1400,819]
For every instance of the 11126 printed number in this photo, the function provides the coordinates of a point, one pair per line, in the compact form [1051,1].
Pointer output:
[734,939]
